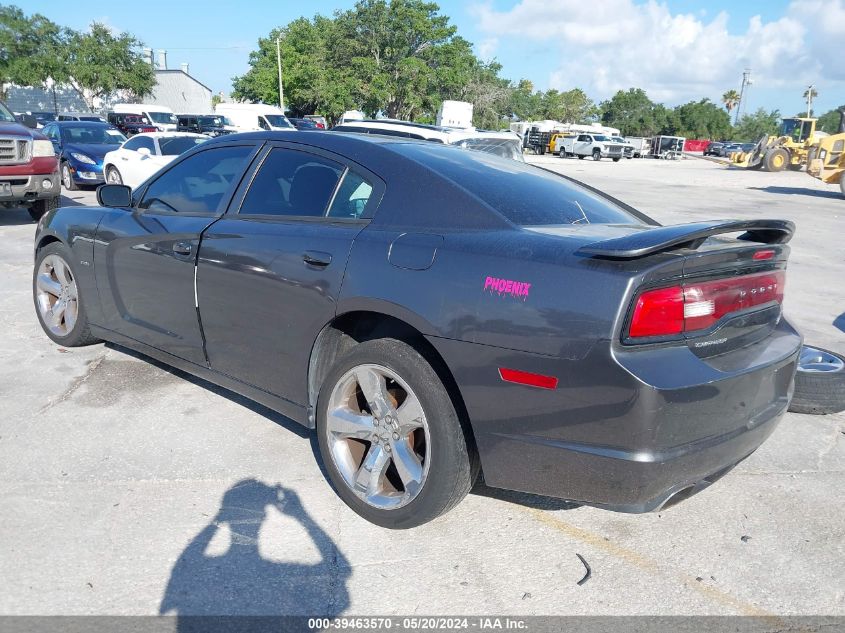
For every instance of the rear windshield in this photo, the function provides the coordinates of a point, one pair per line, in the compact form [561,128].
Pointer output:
[524,194]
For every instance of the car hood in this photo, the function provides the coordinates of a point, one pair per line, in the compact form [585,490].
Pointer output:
[7,128]
[94,150]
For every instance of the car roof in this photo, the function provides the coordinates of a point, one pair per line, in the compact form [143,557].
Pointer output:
[81,123]
[168,134]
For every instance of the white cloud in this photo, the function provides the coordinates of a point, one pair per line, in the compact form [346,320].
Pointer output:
[486,49]
[615,44]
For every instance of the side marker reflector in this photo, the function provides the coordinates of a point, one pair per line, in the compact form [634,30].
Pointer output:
[527,378]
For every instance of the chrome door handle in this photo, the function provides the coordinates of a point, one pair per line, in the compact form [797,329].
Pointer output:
[182,248]
[317,258]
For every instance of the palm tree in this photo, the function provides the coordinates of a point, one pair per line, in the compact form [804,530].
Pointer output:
[730,99]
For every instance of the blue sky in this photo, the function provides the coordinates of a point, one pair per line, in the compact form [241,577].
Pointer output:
[677,50]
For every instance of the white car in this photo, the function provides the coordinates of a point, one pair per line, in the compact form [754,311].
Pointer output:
[144,154]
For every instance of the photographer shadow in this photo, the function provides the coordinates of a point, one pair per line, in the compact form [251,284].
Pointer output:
[240,584]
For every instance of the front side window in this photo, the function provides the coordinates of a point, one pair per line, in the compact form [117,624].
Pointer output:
[137,142]
[292,183]
[198,183]
[5,115]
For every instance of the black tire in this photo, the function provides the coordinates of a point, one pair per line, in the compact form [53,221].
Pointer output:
[842,183]
[562,153]
[615,160]
[776,159]
[67,178]
[39,208]
[113,173]
[452,467]
[80,334]
[580,157]
[596,154]
[820,392]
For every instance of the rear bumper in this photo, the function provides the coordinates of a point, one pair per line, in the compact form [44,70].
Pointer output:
[29,188]
[623,431]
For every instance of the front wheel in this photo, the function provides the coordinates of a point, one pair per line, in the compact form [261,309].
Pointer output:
[58,304]
[390,436]
[615,160]
[39,208]
[67,178]
[596,154]
[580,157]
[113,176]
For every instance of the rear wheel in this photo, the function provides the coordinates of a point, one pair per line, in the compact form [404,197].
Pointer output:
[67,178]
[596,154]
[562,153]
[615,160]
[776,159]
[113,176]
[390,437]
[580,157]
[39,208]
[819,382]
[58,304]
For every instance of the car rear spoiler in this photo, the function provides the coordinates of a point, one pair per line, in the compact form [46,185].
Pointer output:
[692,235]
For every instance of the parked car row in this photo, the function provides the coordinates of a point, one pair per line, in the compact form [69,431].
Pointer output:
[725,149]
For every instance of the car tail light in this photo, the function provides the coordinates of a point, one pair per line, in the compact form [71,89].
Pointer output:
[697,306]
[321,126]
[149,129]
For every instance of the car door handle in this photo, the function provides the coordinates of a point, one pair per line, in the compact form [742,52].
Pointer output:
[182,248]
[317,258]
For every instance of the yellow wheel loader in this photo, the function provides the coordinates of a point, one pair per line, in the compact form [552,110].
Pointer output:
[788,149]
[828,160]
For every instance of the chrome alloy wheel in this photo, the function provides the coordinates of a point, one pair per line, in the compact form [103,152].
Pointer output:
[812,359]
[57,295]
[378,436]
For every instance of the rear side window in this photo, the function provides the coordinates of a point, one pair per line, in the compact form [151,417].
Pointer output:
[352,197]
[198,183]
[525,195]
[292,183]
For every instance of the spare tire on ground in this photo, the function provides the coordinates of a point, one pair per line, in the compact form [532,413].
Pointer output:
[819,382]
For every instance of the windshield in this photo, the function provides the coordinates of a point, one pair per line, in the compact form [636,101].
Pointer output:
[210,121]
[524,194]
[162,117]
[5,115]
[504,147]
[92,134]
[788,126]
[277,120]
[175,145]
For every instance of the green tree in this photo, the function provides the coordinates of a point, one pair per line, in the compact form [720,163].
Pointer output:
[572,106]
[752,127]
[99,64]
[30,48]
[703,120]
[829,121]
[634,113]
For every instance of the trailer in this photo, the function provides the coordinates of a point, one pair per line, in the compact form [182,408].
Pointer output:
[667,147]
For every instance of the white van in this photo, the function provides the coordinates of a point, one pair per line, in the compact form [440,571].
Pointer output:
[161,116]
[254,116]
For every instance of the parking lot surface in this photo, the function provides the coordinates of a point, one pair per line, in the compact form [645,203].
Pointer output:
[129,488]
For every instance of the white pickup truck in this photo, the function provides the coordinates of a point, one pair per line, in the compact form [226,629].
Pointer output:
[596,145]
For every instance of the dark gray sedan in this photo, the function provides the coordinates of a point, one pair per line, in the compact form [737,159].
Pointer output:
[435,312]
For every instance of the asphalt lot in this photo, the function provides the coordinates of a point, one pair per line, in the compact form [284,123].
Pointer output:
[113,472]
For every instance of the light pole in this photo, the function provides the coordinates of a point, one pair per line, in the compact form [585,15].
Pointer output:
[810,90]
[279,61]
[746,81]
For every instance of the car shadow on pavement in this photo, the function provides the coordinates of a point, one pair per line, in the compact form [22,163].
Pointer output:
[839,322]
[800,191]
[15,217]
[222,571]
[273,416]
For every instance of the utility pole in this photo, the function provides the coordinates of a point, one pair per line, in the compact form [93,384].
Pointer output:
[279,61]
[810,89]
[746,82]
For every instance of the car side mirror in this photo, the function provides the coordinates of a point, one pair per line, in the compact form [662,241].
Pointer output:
[114,196]
[144,152]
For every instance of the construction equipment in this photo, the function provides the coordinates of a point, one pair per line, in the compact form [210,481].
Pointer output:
[788,149]
[828,162]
